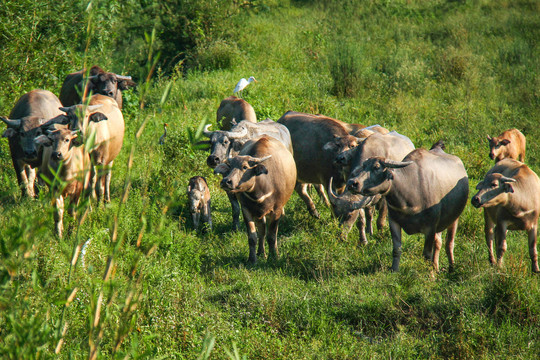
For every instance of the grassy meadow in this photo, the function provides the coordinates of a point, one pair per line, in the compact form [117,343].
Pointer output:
[151,287]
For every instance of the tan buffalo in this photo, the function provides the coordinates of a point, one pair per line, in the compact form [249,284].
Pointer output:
[232,110]
[510,196]
[199,201]
[510,144]
[67,166]
[104,123]
[262,177]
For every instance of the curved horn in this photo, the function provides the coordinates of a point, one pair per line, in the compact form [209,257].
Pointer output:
[396,164]
[505,179]
[66,108]
[366,201]
[236,134]
[122,77]
[259,160]
[11,123]
[93,77]
[206,132]
[331,195]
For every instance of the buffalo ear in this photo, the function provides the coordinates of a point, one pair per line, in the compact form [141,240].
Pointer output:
[97,117]
[222,169]
[508,188]
[260,169]
[9,133]
[237,145]
[505,142]
[329,146]
[43,140]
[126,84]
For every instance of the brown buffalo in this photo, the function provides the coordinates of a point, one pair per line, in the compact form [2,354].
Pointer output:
[199,201]
[510,196]
[316,141]
[99,82]
[103,121]
[510,144]
[71,166]
[262,177]
[232,110]
[425,193]
[25,123]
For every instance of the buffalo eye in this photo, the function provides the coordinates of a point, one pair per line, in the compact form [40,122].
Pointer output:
[245,167]
[494,184]
[377,166]
[225,141]
[66,140]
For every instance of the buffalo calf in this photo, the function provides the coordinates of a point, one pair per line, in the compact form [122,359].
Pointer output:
[199,201]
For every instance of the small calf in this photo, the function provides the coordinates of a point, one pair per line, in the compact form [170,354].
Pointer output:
[199,201]
[510,196]
[509,144]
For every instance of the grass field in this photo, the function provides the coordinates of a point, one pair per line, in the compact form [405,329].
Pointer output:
[152,287]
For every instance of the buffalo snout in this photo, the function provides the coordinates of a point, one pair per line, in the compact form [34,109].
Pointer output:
[30,154]
[56,155]
[475,201]
[492,156]
[212,161]
[353,185]
[226,183]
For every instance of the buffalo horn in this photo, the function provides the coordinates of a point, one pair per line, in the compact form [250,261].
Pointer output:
[206,132]
[259,160]
[331,195]
[236,134]
[11,123]
[122,77]
[505,179]
[396,164]
[366,201]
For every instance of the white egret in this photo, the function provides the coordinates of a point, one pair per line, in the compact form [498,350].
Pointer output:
[242,84]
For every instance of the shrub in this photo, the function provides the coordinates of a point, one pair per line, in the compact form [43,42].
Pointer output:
[345,69]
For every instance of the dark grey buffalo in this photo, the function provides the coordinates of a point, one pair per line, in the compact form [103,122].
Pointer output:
[425,193]
[25,123]
[317,140]
[262,176]
[99,82]
[227,144]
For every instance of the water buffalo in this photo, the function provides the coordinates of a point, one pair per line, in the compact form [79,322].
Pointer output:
[425,193]
[103,118]
[225,144]
[510,196]
[199,201]
[71,165]
[262,177]
[232,110]
[99,82]
[316,141]
[26,120]
[510,144]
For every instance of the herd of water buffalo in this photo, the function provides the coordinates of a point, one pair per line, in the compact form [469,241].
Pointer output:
[262,163]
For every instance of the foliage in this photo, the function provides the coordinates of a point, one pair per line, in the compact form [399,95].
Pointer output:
[132,279]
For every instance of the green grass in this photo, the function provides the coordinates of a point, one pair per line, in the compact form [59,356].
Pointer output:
[429,69]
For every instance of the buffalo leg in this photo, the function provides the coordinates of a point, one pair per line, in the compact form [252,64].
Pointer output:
[361,225]
[252,237]
[235,211]
[437,244]
[395,231]
[108,174]
[383,213]
[450,240]
[31,181]
[428,246]
[489,226]
[322,194]
[532,248]
[301,189]
[272,235]
[208,214]
[59,215]
[261,233]
[500,239]
[93,182]
[368,216]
